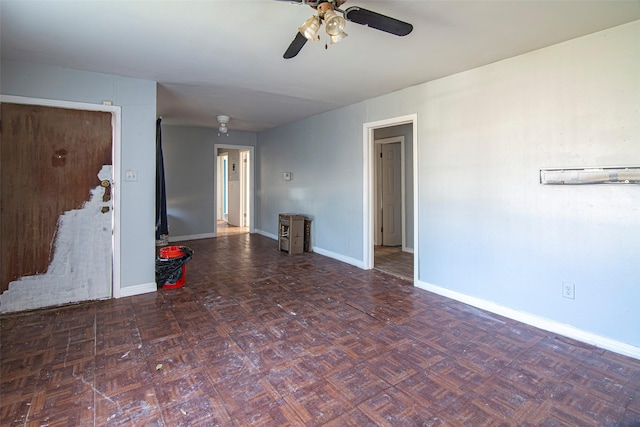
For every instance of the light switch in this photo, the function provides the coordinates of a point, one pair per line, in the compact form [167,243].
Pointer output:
[131,176]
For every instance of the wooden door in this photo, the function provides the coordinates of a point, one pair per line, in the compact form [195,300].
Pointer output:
[49,161]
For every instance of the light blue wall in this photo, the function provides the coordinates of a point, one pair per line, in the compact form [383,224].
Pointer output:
[189,162]
[324,155]
[487,228]
[137,99]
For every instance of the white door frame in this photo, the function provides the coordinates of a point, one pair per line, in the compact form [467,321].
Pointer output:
[252,177]
[245,194]
[222,193]
[116,149]
[368,197]
[377,218]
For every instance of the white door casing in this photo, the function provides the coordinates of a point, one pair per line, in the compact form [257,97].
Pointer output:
[250,185]
[369,197]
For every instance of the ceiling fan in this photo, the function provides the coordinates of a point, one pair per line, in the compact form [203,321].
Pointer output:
[335,23]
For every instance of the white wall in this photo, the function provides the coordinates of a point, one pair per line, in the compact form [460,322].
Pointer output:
[137,99]
[487,229]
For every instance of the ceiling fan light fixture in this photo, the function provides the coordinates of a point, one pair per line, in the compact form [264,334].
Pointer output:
[335,39]
[335,23]
[310,28]
[223,121]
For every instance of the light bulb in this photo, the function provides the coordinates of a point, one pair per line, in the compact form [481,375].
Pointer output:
[310,28]
[335,23]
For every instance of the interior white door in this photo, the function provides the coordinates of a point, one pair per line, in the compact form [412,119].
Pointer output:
[391,195]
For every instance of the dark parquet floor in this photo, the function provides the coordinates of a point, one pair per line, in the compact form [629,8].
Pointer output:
[392,260]
[260,338]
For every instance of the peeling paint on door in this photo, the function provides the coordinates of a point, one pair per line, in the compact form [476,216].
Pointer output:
[81,268]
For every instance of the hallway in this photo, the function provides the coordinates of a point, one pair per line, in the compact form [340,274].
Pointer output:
[224,229]
[392,260]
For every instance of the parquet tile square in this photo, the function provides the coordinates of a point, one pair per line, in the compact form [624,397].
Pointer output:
[318,403]
[293,376]
[529,381]
[430,391]
[361,346]
[248,391]
[15,412]
[135,406]
[357,383]
[469,411]
[353,418]
[607,387]
[270,355]
[23,365]
[275,413]
[63,419]
[131,358]
[459,373]
[256,337]
[200,411]
[225,365]
[53,399]
[505,401]
[116,382]
[180,385]
[394,408]
[392,367]
[421,355]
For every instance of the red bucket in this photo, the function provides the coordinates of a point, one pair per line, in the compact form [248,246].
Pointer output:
[172,252]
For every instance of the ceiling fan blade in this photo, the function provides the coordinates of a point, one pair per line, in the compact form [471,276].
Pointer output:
[308,2]
[379,22]
[296,46]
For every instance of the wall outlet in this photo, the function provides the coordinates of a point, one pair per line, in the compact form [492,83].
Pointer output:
[569,290]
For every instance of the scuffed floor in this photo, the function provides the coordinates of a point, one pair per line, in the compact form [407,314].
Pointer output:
[256,337]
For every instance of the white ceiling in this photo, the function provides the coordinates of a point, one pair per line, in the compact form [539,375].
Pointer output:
[225,56]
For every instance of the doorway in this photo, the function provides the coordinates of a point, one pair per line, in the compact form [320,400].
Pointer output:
[390,197]
[234,176]
[391,254]
[58,163]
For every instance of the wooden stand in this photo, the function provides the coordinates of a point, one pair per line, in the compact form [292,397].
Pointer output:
[291,233]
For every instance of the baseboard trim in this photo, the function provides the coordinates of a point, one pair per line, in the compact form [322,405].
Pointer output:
[191,237]
[144,288]
[537,321]
[265,234]
[355,262]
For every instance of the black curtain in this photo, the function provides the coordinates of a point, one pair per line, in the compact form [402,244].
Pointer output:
[162,228]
